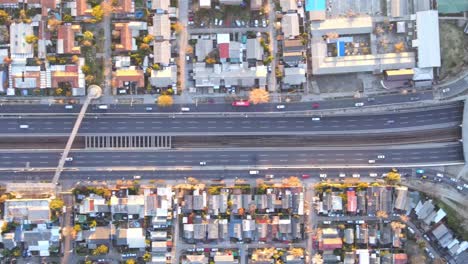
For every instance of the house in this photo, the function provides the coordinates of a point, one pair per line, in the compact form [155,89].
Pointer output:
[124,6]
[330,243]
[213,229]
[293,52]
[288,5]
[254,50]
[82,8]
[131,237]
[290,25]
[100,235]
[349,236]
[93,204]
[296,77]
[196,259]
[235,52]
[161,27]
[128,78]
[230,2]
[400,258]
[125,37]
[162,53]
[202,48]
[41,239]
[401,199]
[224,258]
[255,5]
[352,201]
[9,240]
[160,4]
[36,211]
[165,77]
[65,76]
[66,39]
[159,246]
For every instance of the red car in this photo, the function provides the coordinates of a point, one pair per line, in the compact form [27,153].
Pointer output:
[241,103]
[305,176]
[315,105]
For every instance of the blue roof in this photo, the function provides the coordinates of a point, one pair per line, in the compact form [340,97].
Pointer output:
[315,5]
[340,45]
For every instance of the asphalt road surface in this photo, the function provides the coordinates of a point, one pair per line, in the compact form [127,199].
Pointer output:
[121,125]
[226,107]
[250,157]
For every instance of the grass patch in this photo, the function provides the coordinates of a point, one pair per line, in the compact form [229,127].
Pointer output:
[454,220]
[452,45]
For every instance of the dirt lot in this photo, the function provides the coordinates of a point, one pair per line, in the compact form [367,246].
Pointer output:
[454,49]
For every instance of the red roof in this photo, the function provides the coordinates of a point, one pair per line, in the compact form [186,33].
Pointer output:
[91,205]
[71,68]
[223,50]
[352,201]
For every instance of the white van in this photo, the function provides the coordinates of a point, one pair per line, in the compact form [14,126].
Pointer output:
[103,107]
[24,126]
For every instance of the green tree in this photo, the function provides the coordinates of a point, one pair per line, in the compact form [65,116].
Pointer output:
[67,18]
[56,204]
[4,17]
[156,67]
[88,35]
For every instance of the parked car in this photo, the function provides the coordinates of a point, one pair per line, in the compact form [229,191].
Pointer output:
[360,104]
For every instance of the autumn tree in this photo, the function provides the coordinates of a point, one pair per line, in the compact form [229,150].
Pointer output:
[75,58]
[31,39]
[7,60]
[77,228]
[86,43]
[156,67]
[98,13]
[210,60]
[86,69]
[4,17]
[297,252]
[101,250]
[147,257]
[177,27]
[165,100]
[259,96]
[144,46]
[56,204]
[393,177]
[130,261]
[400,46]
[53,23]
[58,91]
[90,78]
[148,38]
[189,49]
[88,35]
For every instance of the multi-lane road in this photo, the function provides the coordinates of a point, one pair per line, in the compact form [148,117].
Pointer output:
[436,153]
[124,124]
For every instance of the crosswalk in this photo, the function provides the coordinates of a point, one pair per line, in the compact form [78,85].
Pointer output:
[128,142]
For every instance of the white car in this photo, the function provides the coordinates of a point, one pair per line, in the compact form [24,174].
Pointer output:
[315,118]
[356,175]
[280,106]
[381,156]
[359,104]
[440,175]
[256,23]
[460,188]
[371,161]
[342,175]
[372,174]
[446,90]
[264,24]
[254,172]
[202,163]
[323,175]
[69,159]
[216,22]
[269,176]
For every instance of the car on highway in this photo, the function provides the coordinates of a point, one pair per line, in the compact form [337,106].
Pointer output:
[415,98]
[371,161]
[323,175]
[24,126]
[254,172]
[69,159]
[202,163]
[136,177]
[419,171]
[269,176]
[356,175]
[460,188]
[305,176]
[315,118]
[185,109]
[381,156]
[149,109]
[423,177]
[280,106]
[241,103]
[370,99]
[69,107]
[342,175]
[315,106]
[360,104]
[440,175]
[103,107]
[372,174]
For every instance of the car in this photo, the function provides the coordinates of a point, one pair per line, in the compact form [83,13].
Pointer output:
[323,175]
[216,21]
[241,103]
[440,175]
[415,98]
[424,177]
[356,175]
[359,222]
[24,126]
[342,175]
[315,118]
[103,107]
[381,156]
[200,249]
[360,104]
[202,163]
[315,105]
[202,24]
[372,174]
[299,3]
[149,109]
[238,23]
[269,176]
[254,172]
[426,237]
[243,23]
[269,68]
[465,186]
[220,22]
[411,230]
[305,176]
[185,109]
[326,222]
[280,106]
[69,159]
[69,107]
[264,24]
[136,177]
[460,188]
[454,180]
[370,99]
[446,90]
[419,171]
[256,23]
[390,121]
[371,161]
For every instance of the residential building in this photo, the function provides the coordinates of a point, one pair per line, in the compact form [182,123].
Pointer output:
[35,211]
[124,6]
[290,25]
[401,199]
[288,5]
[205,3]
[41,239]
[125,37]
[256,5]
[160,4]
[161,27]
[230,2]
[131,237]
[162,53]
[126,78]
[166,77]
[294,77]
[254,50]
[82,8]
[293,52]
[203,48]
[66,39]
[100,235]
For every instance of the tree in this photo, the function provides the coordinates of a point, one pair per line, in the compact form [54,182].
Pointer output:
[393,177]
[147,257]
[165,100]
[98,13]
[86,69]
[101,250]
[259,96]
[4,17]
[86,43]
[144,46]
[148,38]
[56,204]
[77,228]
[75,58]
[177,27]
[297,252]
[67,18]
[93,224]
[192,180]
[90,78]
[400,46]
[278,72]
[210,60]
[88,35]
[156,67]
[53,23]
[130,261]
[31,39]
[189,49]
[7,60]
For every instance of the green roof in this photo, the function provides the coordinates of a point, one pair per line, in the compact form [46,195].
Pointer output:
[452,6]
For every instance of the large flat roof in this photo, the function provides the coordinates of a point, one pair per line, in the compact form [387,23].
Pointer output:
[427,23]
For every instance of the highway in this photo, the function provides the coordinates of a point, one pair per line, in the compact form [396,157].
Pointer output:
[219,107]
[243,157]
[445,115]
